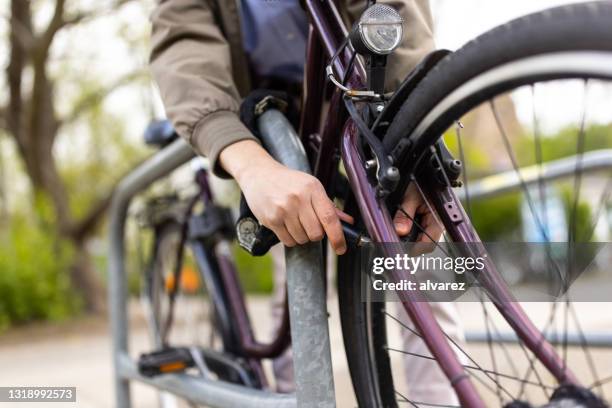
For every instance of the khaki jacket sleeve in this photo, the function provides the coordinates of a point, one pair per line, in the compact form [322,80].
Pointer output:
[191,64]
[418,36]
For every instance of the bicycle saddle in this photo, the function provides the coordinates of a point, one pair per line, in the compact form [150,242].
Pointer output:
[159,133]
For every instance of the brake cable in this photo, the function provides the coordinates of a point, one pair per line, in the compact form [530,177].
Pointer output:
[387,174]
[353,93]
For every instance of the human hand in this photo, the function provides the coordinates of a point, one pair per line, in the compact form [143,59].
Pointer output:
[291,203]
[413,204]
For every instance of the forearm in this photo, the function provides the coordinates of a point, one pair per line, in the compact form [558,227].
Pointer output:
[191,62]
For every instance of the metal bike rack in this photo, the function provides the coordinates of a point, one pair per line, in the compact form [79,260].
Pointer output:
[593,339]
[305,285]
[509,181]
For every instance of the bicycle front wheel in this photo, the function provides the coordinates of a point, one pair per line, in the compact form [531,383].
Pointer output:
[530,100]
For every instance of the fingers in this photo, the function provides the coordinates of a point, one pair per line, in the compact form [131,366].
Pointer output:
[311,223]
[402,223]
[412,204]
[433,230]
[402,219]
[344,216]
[330,220]
[294,226]
[283,235]
[310,228]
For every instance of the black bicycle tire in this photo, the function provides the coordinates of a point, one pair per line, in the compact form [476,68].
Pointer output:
[353,318]
[584,26]
[162,231]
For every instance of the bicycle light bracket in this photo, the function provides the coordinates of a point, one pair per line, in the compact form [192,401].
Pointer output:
[377,33]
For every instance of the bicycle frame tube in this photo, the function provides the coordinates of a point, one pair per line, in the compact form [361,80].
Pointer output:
[227,277]
[249,346]
[380,227]
[314,89]
[462,231]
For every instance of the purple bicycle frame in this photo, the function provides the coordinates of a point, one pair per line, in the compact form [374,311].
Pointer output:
[339,138]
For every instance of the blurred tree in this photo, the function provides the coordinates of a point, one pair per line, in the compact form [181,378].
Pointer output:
[31,119]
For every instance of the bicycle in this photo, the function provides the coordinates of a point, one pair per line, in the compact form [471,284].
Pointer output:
[385,144]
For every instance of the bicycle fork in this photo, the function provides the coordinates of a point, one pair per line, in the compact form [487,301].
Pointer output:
[380,228]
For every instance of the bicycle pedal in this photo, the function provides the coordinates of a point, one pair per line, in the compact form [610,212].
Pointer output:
[168,360]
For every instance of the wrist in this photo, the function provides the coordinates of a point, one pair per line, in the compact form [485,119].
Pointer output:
[241,158]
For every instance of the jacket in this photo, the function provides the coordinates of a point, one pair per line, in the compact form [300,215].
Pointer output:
[202,72]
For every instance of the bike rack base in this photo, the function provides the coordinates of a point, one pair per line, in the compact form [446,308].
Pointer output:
[207,392]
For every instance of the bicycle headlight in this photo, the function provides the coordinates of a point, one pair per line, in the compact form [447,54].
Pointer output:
[378,31]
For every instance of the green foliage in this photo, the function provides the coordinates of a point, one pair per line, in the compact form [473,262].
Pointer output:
[34,284]
[255,272]
[497,218]
[578,214]
[565,143]
[95,168]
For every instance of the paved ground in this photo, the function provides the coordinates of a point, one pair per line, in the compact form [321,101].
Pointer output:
[78,353]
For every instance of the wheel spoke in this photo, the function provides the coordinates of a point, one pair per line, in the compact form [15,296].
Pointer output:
[464,170]
[405,399]
[474,368]
[450,339]
[539,157]
[601,382]
[571,228]
[429,207]
[531,366]
[420,227]
[585,349]
[487,319]
[537,141]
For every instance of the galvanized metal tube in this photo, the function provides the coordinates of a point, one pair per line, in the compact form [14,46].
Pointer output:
[210,393]
[593,339]
[157,166]
[596,160]
[305,283]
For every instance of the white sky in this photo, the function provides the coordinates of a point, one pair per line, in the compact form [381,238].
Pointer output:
[458,21]
[557,105]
